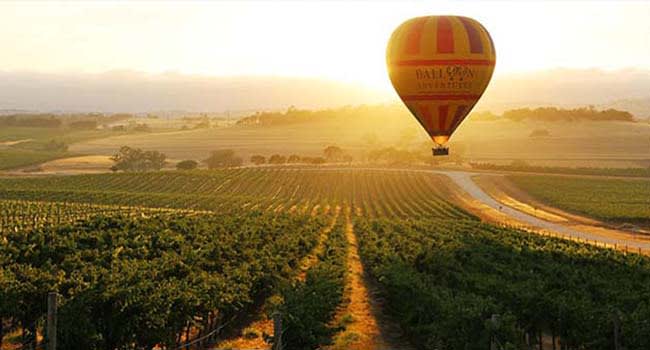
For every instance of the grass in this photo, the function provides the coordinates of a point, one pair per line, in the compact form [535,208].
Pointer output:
[570,144]
[15,157]
[34,146]
[612,200]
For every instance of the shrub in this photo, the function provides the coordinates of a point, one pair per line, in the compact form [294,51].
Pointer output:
[223,159]
[187,164]
[258,159]
[277,159]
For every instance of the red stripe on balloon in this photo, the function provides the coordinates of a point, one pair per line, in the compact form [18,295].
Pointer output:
[469,62]
[445,35]
[475,44]
[425,117]
[414,36]
[442,116]
[460,112]
[451,97]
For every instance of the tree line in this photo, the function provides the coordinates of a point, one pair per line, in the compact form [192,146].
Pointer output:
[554,114]
[88,121]
[137,160]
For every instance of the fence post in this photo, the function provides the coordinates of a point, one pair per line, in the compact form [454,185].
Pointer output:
[617,330]
[51,320]
[277,331]
[494,321]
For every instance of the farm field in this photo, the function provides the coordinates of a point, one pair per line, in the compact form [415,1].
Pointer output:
[458,284]
[612,200]
[196,251]
[138,281]
[26,146]
[368,192]
[570,144]
[324,175]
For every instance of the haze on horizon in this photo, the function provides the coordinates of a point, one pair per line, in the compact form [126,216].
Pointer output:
[338,42]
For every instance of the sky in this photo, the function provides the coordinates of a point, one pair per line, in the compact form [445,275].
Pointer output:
[337,40]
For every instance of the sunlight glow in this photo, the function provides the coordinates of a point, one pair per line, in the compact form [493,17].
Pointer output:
[334,40]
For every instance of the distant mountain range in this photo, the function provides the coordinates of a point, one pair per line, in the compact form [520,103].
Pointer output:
[127,91]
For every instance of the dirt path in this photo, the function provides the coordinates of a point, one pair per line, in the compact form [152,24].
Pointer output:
[368,328]
[483,204]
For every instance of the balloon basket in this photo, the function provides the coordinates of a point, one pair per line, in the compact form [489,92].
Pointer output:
[441,151]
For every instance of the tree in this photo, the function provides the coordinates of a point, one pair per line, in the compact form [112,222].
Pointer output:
[277,159]
[187,164]
[223,158]
[258,159]
[294,158]
[333,153]
[135,159]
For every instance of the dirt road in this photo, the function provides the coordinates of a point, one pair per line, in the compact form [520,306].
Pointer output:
[465,182]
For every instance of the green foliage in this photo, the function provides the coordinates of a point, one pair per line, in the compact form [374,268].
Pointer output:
[187,165]
[525,167]
[16,157]
[135,159]
[224,158]
[445,279]
[132,282]
[615,200]
[309,306]
[372,193]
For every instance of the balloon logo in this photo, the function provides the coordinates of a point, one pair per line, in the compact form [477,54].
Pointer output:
[440,67]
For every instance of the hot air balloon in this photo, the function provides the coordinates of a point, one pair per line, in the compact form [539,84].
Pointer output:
[440,66]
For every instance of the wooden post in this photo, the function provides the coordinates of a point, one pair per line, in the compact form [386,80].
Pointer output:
[494,319]
[277,331]
[51,320]
[617,330]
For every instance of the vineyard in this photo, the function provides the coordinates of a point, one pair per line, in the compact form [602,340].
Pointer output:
[25,215]
[370,193]
[465,284]
[142,281]
[613,200]
[156,260]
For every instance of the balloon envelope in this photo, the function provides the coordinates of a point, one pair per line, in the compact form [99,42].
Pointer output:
[440,66]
